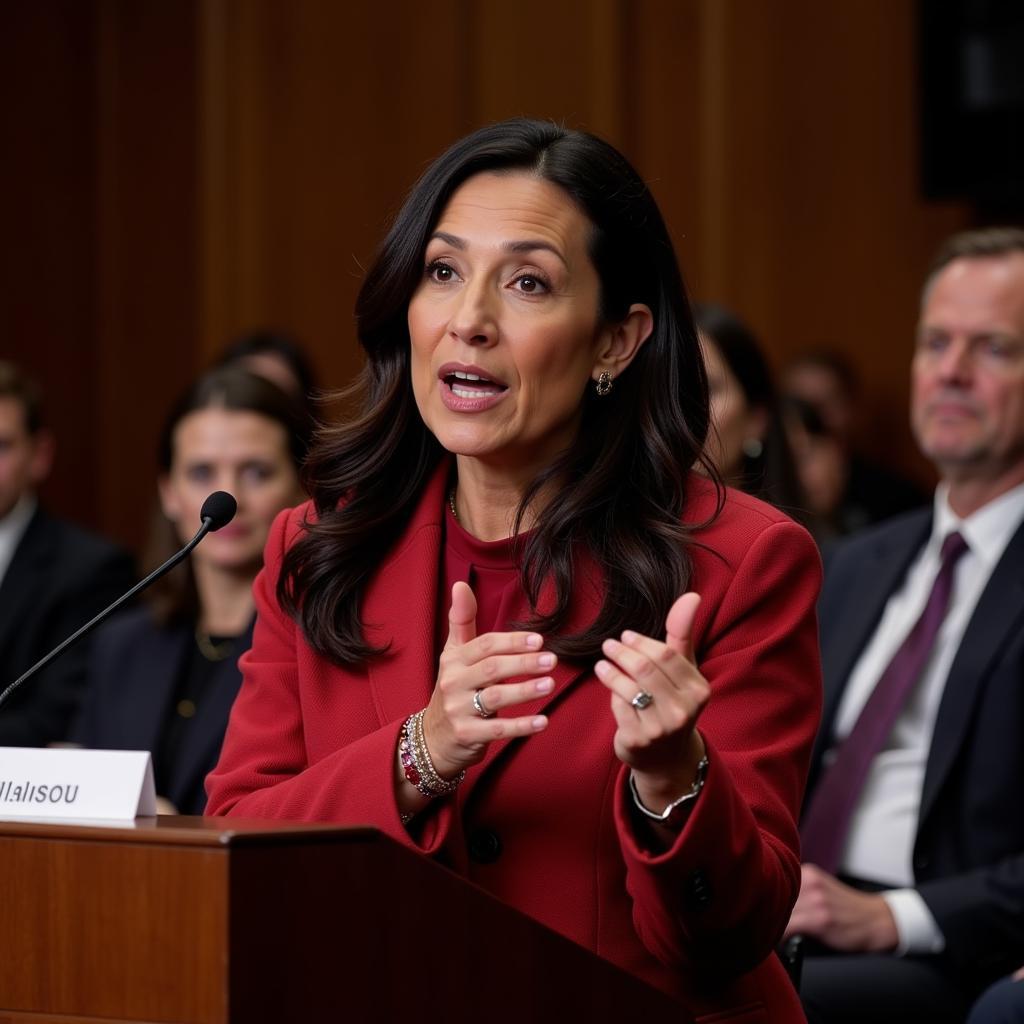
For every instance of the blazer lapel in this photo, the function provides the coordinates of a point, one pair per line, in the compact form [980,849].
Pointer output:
[586,603]
[880,574]
[402,679]
[999,615]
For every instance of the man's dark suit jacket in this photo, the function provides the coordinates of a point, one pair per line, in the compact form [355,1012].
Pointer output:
[59,578]
[133,673]
[968,856]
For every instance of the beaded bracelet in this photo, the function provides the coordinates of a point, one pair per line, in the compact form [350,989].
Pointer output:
[416,764]
[440,786]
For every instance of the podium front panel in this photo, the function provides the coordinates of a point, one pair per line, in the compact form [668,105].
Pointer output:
[217,921]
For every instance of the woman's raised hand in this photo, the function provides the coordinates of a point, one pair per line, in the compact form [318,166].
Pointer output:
[658,695]
[457,733]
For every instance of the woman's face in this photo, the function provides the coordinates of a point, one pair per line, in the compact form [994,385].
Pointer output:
[733,419]
[243,453]
[504,325]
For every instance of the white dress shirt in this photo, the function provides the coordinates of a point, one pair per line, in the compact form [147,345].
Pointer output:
[880,843]
[12,529]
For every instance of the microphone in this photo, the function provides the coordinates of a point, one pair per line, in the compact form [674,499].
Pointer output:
[218,510]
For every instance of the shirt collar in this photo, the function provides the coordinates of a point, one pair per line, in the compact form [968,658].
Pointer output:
[988,530]
[14,524]
[12,529]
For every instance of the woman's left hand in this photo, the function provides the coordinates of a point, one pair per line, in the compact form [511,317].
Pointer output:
[658,741]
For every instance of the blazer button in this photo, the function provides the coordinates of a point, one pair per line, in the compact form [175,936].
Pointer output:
[700,889]
[484,846]
[921,862]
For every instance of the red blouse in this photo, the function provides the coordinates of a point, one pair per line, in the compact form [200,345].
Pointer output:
[489,568]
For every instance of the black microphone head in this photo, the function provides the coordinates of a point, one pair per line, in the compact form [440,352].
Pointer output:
[220,508]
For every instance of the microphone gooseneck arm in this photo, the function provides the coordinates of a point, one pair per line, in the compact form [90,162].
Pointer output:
[209,522]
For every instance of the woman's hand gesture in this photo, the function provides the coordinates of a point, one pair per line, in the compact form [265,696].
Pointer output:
[456,730]
[658,694]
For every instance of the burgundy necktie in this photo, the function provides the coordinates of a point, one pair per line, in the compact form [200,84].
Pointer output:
[827,820]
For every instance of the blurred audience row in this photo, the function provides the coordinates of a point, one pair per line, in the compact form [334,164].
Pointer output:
[161,676]
[796,447]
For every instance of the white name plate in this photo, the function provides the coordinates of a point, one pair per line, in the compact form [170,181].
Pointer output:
[61,784]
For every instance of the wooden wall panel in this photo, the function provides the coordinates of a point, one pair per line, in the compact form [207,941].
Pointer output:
[146,251]
[330,113]
[812,224]
[47,271]
[568,63]
[192,170]
[663,121]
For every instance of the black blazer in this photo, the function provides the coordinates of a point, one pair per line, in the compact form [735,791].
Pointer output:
[968,856]
[59,578]
[132,676]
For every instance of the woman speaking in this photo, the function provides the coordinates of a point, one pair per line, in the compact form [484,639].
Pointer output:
[513,629]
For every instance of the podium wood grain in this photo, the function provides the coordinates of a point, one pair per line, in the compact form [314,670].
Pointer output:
[217,921]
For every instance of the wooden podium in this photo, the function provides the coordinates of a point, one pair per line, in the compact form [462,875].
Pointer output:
[213,920]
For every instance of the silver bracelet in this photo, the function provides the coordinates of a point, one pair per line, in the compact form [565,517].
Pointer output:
[672,813]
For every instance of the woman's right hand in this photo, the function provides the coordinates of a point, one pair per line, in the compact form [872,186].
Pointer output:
[457,735]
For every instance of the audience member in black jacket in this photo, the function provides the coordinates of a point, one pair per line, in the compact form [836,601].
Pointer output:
[54,577]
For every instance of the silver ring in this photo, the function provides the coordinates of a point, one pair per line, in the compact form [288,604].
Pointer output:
[642,700]
[479,705]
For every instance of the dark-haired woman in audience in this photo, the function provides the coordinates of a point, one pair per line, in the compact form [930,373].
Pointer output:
[513,630]
[163,676]
[748,443]
[277,357]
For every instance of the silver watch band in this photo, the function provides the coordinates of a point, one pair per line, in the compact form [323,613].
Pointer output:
[666,815]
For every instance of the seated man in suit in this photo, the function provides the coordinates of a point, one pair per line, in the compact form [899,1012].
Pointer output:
[54,577]
[1001,1003]
[913,828]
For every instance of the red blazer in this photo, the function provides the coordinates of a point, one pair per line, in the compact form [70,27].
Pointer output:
[543,822]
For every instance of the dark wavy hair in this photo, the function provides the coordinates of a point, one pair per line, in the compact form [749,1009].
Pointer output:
[771,475]
[621,486]
[174,598]
[273,343]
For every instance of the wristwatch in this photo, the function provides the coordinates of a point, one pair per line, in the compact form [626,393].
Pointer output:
[675,810]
